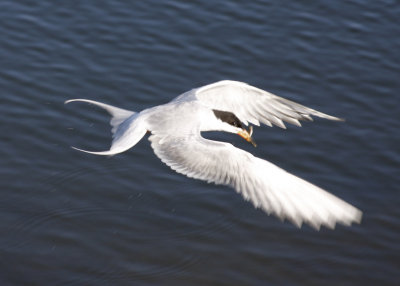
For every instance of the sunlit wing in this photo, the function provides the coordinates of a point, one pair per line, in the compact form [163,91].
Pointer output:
[254,105]
[267,186]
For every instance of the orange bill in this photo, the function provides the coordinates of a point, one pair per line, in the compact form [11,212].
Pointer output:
[246,135]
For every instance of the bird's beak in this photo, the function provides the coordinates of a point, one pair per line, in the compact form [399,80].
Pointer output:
[246,135]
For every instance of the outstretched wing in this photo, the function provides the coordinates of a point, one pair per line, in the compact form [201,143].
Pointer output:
[254,105]
[267,186]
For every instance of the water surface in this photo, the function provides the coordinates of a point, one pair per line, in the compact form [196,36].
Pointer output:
[68,218]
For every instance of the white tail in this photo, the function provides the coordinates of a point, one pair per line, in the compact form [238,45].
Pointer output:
[126,128]
[118,114]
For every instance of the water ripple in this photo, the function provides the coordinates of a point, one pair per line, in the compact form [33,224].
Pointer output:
[161,213]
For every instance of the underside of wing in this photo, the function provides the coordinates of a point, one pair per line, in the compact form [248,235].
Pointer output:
[265,185]
[251,104]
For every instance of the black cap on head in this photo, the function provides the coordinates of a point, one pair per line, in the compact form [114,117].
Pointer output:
[228,117]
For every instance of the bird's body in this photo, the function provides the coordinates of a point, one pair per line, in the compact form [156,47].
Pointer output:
[229,106]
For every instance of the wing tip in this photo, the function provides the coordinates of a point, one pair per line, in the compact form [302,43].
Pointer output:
[329,117]
[353,216]
[357,216]
[339,119]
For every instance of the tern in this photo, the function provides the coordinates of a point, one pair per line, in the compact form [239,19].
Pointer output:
[230,106]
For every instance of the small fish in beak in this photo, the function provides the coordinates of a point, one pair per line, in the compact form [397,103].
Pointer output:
[246,135]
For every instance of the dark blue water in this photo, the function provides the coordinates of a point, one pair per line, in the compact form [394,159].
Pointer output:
[69,218]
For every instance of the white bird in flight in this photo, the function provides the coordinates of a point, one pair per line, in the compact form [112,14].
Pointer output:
[229,106]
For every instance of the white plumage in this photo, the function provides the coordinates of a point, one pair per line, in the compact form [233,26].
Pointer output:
[229,106]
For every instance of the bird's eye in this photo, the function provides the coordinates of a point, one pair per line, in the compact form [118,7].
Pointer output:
[234,123]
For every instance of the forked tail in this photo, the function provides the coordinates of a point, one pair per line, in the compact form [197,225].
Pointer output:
[127,128]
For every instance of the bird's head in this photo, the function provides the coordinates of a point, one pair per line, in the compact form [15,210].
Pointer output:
[232,124]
